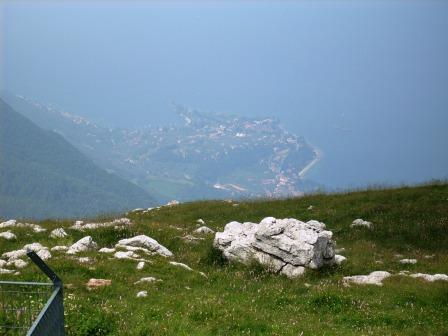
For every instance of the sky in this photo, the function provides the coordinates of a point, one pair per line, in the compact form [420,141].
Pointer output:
[366,82]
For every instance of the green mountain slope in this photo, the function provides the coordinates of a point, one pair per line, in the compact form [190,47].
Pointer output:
[42,175]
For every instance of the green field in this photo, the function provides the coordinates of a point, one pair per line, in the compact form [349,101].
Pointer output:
[248,300]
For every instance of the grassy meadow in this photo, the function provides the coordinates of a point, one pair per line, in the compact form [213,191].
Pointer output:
[247,300]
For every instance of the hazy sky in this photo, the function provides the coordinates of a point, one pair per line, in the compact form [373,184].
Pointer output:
[365,81]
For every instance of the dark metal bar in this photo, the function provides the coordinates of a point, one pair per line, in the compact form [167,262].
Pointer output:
[43,267]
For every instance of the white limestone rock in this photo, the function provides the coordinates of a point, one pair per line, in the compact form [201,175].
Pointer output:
[408,261]
[374,278]
[147,280]
[116,223]
[41,251]
[8,235]
[430,277]
[339,259]
[361,223]
[126,255]
[13,255]
[106,250]
[188,268]
[17,263]
[276,243]
[82,245]
[191,239]
[200,221]
[59,248]
[13,223]
[145,242]
[142,294]
[58,233]
[204,230]
[5,271]
[140,265]
[293,271]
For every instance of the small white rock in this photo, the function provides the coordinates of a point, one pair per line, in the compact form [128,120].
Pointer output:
[140,265]
[147,280]
[8,235]
[362,223]
[408,261]
[106,250]
[17,263]
[339,259]
[200,221]
[204,230]
[126,255]
[59,248]
[82,245]
[58,233]
[142,294]
[188,268]
[374,278]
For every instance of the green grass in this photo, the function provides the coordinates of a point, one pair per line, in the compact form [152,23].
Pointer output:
[248,300]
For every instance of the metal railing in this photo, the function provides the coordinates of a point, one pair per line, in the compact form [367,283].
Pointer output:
[32,308]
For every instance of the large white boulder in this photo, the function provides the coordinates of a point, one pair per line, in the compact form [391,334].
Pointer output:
[145,242]
[82,245]
[283,245]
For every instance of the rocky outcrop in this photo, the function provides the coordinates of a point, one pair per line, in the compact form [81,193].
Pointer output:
[95,283]
[286,246]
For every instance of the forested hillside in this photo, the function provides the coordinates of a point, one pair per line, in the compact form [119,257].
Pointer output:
[42,175]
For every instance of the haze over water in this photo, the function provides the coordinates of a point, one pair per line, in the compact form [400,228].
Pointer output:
[366,82]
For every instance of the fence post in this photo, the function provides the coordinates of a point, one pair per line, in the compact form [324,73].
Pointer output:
[50,320]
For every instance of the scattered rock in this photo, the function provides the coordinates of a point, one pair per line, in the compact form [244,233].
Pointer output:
[142,294]
[374,278]
[362,223]
[2,263]
[106,250]
[14,223]
[310,207]
[116,223]
[188,268]
[339,259]
[126,255]
[84,260]
[40,250]
[8,235]
[82,245]
[58,233]
[95,283]
[145,242]
[17,263]
[204,230]
[430,277]
[140,265]
[200,221]
[292,271]
[408,261]
[5,271]
[59,248]
[191,239]
[276,243]
[339,250]
[429,256]
[147,280]
[13,255]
